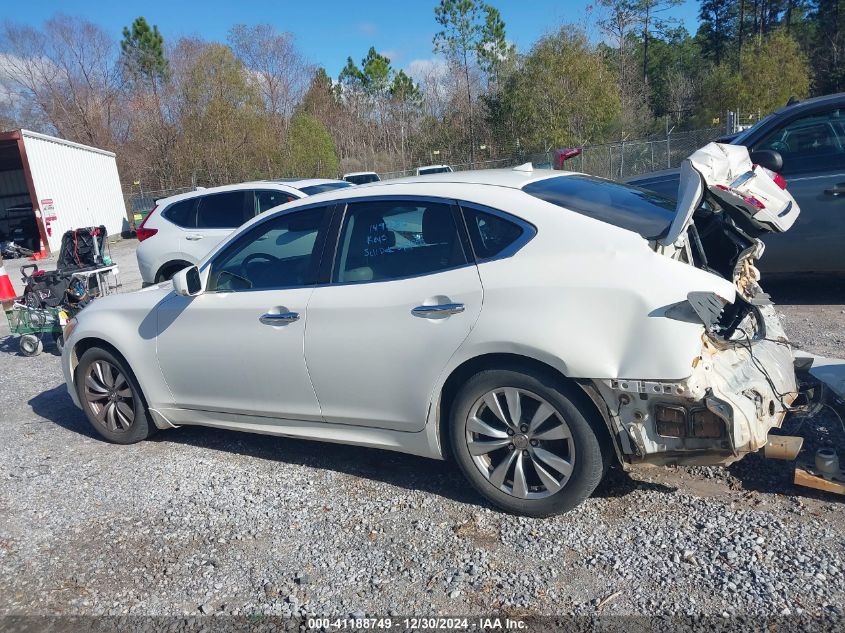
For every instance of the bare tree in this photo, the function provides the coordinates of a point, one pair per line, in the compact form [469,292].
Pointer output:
[280,73]
[69,71]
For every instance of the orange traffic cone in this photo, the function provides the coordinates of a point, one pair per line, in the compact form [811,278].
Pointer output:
[41,254]
[6,290]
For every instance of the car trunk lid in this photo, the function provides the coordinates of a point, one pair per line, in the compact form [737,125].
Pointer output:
[725,178]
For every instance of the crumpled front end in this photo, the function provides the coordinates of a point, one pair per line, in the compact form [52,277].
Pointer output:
[739,389]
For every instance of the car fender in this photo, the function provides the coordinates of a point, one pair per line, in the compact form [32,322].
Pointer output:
[115,320]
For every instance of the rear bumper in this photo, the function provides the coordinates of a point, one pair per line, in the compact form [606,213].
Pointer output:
[737,392]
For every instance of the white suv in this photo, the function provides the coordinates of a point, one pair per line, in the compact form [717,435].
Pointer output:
[182,229]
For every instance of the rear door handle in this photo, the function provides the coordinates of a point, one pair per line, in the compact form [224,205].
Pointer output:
[444,309]
[279,318]
[193,237]
[838,190]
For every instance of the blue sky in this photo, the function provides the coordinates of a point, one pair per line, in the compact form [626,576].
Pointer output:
[326,31]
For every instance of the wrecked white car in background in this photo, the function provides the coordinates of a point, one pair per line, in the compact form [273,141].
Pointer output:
[535,325]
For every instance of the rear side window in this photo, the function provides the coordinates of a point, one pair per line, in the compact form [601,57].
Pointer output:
[644,212]
[267,199]
[394,239]
[182,213]
[490,234]
[222,210]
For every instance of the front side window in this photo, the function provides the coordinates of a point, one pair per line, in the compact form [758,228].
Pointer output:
[267,199]
[812,143]
[222,210]
[279,253]
[384,240]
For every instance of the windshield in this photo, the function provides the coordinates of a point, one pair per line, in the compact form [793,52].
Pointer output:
[326,186]
[625,206]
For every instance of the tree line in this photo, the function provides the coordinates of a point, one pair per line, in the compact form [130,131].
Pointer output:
[191,111]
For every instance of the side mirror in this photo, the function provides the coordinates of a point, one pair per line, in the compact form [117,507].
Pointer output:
[187,282]
[768,158]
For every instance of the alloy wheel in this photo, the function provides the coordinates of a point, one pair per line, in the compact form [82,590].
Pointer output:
[520,443]
[109,396]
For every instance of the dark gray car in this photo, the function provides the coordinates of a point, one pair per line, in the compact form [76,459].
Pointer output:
[810,137]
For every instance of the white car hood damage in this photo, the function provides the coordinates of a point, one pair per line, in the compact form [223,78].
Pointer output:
[725,176]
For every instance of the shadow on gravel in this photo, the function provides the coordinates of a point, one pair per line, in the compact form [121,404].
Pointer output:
[404,471]
[55,405]
[11,344]
[617,483]
[805,289]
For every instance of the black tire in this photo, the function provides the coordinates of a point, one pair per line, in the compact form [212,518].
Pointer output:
[589,458]
[30,345]
[141,426]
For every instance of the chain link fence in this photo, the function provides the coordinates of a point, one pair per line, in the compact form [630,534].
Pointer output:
[626,159]
[139,202]
[618,161]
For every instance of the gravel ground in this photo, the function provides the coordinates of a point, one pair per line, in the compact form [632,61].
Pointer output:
[197,521]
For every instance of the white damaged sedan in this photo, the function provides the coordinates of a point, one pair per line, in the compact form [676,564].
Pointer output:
[536,326]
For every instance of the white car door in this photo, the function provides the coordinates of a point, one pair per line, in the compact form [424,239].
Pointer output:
[215,216]
[404,296]
[238,346]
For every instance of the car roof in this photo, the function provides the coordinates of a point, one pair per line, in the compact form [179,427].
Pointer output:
[298,183]
[837,97]
[431,166]
[288,185]
[514,178]
[202,191]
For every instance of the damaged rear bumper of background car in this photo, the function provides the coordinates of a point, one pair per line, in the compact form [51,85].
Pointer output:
[738,390]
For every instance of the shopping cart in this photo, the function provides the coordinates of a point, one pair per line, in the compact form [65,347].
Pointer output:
[33,323]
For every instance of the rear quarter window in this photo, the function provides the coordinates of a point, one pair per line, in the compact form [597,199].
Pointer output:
[494,234]
[628,207]
[182,213]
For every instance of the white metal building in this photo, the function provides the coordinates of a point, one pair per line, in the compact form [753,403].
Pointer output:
[49,185]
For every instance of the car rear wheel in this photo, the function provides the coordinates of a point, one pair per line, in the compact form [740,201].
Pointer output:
[111,397]
[525,443]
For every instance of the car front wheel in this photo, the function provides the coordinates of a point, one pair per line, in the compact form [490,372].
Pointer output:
[111,397]
[524,442]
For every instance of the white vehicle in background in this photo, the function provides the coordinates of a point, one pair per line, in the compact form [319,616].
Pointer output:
[537,326]
[361,177]
[182,229]
[433,169]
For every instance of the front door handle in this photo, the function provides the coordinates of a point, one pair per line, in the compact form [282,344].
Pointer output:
[838,190]
[444,309]
[193,237]
[279,318]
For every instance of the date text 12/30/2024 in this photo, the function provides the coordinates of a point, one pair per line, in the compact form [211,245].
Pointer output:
[417,623]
